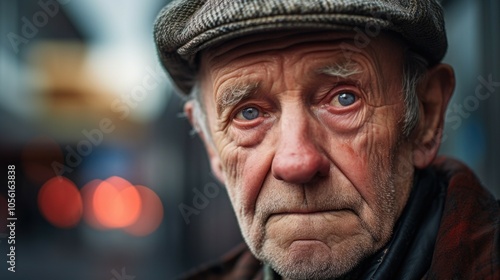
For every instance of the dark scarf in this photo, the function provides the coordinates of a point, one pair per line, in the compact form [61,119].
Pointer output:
[409,253]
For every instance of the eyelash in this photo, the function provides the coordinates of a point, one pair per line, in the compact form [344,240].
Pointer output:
[239,109]
[337,90]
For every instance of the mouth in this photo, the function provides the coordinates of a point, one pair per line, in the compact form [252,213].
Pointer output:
[308,213]
[305,228]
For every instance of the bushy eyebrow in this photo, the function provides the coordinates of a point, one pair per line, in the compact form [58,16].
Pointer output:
[233,94]
[343,69]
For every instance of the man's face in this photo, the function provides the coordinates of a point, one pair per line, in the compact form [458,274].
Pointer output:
[307,132]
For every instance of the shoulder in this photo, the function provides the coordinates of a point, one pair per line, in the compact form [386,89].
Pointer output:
[468,241]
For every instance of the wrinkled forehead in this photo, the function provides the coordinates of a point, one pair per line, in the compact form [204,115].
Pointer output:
[348,43]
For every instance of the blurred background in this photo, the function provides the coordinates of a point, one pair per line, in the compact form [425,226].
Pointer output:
[110,180]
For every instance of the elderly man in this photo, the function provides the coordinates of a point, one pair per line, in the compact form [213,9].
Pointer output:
[323,119]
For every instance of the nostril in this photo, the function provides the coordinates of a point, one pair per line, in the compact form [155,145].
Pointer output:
[299,168]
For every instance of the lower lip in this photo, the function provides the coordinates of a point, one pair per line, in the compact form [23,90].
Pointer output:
[296,216]
[305,244]
[319,213]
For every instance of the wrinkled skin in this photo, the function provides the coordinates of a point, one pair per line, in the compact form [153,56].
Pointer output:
[317,184]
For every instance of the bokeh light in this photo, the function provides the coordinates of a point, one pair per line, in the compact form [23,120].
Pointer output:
[88,192]
[151,213]
[60,202]
[38,156]
[116,203]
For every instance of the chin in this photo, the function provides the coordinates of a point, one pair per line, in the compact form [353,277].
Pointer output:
[308,259]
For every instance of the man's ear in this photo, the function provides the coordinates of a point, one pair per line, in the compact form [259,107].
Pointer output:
[213,156]
[434,93]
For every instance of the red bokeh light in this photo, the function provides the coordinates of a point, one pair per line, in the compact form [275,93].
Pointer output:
[116,203]
[60,202]
[151,213]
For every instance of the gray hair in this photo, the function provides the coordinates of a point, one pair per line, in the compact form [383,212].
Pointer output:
[199,112]
[414,69]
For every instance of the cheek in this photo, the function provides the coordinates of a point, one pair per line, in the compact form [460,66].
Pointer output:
[365,159]
[245,170]
[352,160]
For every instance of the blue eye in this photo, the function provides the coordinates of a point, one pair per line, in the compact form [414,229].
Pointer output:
[249,113]
[344,99]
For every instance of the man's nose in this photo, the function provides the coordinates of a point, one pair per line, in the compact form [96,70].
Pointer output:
[298,158]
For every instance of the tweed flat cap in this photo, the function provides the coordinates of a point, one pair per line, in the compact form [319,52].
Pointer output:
[183,28]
